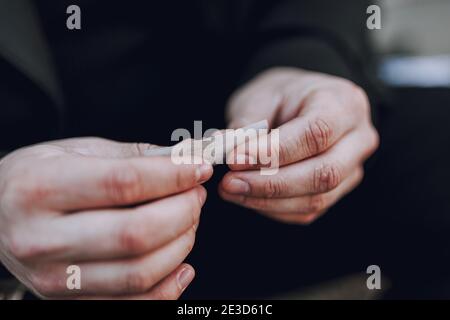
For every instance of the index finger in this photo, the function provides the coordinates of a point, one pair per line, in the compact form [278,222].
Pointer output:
[76,183]
[305,136]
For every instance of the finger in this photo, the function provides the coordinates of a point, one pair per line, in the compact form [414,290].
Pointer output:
[315,130]
[77,183]
[108,234]
[118,277]
[314,175]
[256,102]
[169,288]
[299,208]
[172,286]
[308,218]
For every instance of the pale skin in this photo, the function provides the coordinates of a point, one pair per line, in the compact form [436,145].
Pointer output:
[126,220]
[326,134]
[129,221]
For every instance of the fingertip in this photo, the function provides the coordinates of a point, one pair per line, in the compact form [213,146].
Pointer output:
[173,286]
[185,275]
[224,182]
[186,265]
[233,184]
[225,179]
[203,173]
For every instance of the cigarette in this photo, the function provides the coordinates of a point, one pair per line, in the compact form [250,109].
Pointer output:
[197,148]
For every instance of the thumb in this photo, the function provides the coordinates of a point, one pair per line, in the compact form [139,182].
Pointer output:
[250,106]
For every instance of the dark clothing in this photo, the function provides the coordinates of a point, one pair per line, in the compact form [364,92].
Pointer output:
[150,67]
[138,70]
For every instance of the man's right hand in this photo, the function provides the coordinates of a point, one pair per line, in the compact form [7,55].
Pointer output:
[127,221]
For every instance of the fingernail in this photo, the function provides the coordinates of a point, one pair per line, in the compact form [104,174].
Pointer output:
[203,173]
[185,277]
[237,186]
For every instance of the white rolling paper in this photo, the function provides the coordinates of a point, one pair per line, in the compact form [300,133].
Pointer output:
[198,146]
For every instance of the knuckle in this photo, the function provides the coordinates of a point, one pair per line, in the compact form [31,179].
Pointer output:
[195,208]
[317,137]
[359,175]
[351,96]
[327,177]
[140,148]
[33,194]
[11,191]
[23,249]
[45,286]
[192,207]
[194,201]
[137,281]
[374,140]
[316,203]
[290,150]
[22,191]
[308,219]
[359,94]
[132,236]
[190,241]
[185,177]
[273,188]
[123,184]
[371,143]
[186,242]
[16,246]
[359,98]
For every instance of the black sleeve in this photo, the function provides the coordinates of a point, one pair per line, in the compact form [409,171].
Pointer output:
[321,35]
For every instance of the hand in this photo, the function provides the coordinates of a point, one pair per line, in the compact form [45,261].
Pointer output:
[127,221]
[325,135]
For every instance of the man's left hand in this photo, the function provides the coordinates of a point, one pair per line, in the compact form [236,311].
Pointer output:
[325,134]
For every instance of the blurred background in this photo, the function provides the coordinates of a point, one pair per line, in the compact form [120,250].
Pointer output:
[414,43]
